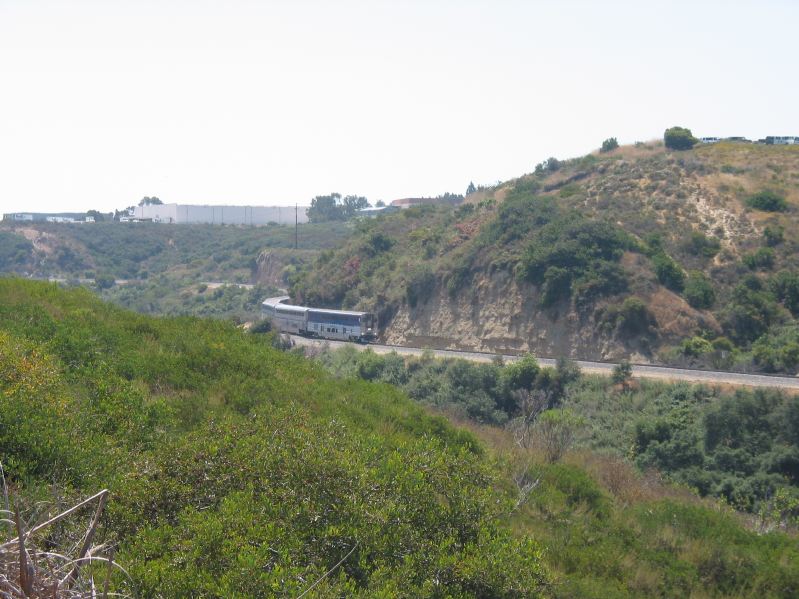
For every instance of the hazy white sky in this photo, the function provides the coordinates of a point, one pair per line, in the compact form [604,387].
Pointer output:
[241,102]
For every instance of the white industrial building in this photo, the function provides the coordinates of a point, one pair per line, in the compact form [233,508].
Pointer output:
[221,215]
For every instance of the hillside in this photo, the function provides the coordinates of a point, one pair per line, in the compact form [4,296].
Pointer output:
[165,269]
[678,257]
[238,470]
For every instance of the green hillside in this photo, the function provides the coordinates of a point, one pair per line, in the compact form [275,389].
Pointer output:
[239,470]
[680,257]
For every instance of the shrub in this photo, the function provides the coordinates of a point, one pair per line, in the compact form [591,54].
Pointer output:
[550,165]
[760,258]
[679,138]
[104,281]
[700,244]
[378,242]
[779,351]
[584,254]
[609,145]
[557,430]
[557,285]
[262,326]
[696,347]
[521,374]
[15,251]
[601,278]
[767,201]
[699,291]
[668,272]
[632,317]
[785,286]
[622,373]
[773,235]
[750,312]
[420,285]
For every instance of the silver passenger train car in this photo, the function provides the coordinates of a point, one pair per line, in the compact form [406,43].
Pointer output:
[342,325]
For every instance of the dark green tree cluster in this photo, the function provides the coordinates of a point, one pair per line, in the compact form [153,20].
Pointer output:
[679,138]
[743,447]
[609,145]
[333,207]
[570,255]
[487,393]
[767,201]
[16,252]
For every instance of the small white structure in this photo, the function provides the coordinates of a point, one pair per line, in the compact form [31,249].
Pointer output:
[782,140]
[221,215]
[709,140]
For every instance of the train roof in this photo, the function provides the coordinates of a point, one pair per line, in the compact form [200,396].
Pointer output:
[277,302]
[343,312]
[274,301]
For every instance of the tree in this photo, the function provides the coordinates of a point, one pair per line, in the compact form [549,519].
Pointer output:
[609,145]
[96,214]
[148,201]
[679,138]
[332,207]
[351,204]
[471,188]
[380,204]
[325,208]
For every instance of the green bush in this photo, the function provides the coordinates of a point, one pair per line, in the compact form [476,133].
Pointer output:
[635,317]
[609,145]
[557,285]
[773,236]
[578,256]
[16,252]
[700,244]
[668,272]
[420,285]
[778,351]
[696,347]
[699,291]
[749,313]
[785,286]
[767,201]
[679,138]
[104,281]
[760,258]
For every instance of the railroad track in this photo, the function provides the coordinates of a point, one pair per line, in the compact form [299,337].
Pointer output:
[605,368]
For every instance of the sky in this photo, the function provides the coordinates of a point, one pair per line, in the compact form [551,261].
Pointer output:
[273,103]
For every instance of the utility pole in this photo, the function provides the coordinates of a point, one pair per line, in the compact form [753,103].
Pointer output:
[296,227]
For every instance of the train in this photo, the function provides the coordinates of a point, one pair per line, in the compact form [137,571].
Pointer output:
[341,325]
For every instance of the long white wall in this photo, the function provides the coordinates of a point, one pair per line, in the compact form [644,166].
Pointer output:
[221,215]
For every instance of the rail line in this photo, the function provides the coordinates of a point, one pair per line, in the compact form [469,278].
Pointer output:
[649,371]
